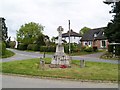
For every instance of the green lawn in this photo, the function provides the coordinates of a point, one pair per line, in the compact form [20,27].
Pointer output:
[92,71]
[8,53]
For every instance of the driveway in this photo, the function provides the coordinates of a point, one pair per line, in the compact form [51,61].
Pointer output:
[21,55]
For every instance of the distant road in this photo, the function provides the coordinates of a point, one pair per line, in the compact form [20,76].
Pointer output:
[25,82]
[20,55]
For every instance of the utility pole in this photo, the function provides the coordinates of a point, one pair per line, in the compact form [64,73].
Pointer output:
[69,38]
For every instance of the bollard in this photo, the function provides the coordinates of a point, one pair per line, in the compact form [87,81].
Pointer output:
[42,64]
[82,63]
[44,55]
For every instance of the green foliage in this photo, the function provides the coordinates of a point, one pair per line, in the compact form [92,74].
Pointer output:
[30,33]
[47,49]
[22,47]
[12,44]
[2,48]
[88,49]
[33,47]
[113,28]
[95,49]
[84,30]
[8,53]
[3,30]
[110,48]
[66,48]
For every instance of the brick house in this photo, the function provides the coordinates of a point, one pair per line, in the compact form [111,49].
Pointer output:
[95,37]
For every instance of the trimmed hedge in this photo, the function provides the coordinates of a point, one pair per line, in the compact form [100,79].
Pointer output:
[47,48]
[22,47]
[33,47]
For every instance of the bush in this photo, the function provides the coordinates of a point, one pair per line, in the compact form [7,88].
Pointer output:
[110,48]
[47,49]
[33,47]
[95,49]
[88,49]
[29,47]
[12,44]
[83,48]
[22,47]
[117,50]
[2,48]
[66,48]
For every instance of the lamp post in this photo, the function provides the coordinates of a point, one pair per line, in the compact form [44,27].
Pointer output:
[69,38]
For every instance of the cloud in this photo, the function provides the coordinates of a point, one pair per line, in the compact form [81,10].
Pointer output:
[52,13]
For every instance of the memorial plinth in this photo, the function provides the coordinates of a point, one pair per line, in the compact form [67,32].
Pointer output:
[60,58]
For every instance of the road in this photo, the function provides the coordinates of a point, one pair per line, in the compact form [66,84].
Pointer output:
[25,82]
[20,55]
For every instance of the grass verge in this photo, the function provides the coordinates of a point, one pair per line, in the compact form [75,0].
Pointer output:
[8,53]
[92,71]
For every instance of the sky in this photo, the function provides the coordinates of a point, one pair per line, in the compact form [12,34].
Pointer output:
[54,13]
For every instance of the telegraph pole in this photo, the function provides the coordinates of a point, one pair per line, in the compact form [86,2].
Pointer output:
[69,38]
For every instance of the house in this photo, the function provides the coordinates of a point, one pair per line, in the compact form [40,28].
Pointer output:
[74,37]
[95,38]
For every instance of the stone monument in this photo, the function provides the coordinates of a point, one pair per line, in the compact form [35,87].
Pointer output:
[60,58]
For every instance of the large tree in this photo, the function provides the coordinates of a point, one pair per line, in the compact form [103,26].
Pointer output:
[84,30]
[113,28]
[30,33]
[3,30]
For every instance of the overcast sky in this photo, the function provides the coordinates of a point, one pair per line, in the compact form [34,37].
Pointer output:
[54,13]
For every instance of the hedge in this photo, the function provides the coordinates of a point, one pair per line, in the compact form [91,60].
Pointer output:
[47,48]
[22,47]
[33,47]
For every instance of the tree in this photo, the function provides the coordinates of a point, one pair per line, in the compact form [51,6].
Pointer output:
[3,30]
[30,33]
[84,30]
[112,31]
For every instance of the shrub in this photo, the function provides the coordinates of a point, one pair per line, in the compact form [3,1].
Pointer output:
[83,48]
[29,47]
[35,47]
[110,48]
[117,50]
[2,48]
[47,48]
[12,44]
[88,49]
[95,49]
[22,47]
[66,48]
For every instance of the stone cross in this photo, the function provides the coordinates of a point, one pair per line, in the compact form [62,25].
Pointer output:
[60,29]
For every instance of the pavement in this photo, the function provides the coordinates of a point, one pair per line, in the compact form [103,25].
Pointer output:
[25,82]
[22,55]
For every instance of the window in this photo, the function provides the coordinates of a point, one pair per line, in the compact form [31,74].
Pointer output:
[103,44]
[95,35]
